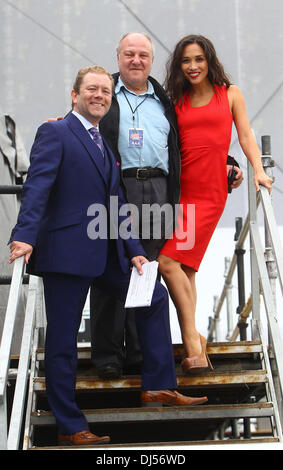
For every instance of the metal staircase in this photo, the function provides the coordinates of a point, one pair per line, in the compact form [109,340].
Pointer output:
[240,387]
[244,388]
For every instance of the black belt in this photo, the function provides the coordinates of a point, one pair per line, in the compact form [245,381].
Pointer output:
[143,173]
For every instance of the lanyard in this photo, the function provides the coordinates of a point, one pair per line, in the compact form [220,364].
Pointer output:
[134,110]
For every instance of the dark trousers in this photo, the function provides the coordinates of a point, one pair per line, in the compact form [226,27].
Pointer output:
[114,337]
[65,297]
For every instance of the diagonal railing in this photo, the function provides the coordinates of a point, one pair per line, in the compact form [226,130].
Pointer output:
[266,265]
[6,344]
[10,432]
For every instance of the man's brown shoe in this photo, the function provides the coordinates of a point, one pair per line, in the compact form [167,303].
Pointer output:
[82,438]
[169,398]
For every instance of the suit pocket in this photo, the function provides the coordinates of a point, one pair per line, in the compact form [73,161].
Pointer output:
[64,220]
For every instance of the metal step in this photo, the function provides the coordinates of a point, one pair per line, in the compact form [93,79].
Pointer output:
[226,348]
[174,413]
[134,382]
[182,444]
[214,349]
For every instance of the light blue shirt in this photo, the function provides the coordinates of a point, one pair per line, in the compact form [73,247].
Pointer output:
[150,117]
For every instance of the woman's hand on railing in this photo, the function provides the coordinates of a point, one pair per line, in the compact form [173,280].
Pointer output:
[18,249]
[262,178]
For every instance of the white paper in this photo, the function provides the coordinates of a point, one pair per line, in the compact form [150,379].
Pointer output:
[141,286]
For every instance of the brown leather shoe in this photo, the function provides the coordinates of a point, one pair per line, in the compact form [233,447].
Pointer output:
[197,364]
[82,438]
[169,398]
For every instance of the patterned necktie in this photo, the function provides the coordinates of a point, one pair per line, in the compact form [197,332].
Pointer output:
[97,138]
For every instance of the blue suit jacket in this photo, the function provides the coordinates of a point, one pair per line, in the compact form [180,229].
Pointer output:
[65,178]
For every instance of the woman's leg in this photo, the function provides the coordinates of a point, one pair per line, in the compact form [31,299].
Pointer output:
[180,281]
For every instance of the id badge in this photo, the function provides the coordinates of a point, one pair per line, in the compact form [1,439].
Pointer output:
[136,138]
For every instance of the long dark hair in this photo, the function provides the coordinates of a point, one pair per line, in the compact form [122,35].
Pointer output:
[175,83]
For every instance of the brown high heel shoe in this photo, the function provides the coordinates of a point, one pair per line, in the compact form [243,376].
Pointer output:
[197,364]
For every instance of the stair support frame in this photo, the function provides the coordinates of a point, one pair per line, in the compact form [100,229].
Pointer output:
[6,345]
[270,387]
[263,275]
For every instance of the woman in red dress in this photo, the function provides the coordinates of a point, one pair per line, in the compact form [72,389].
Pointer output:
[206,105]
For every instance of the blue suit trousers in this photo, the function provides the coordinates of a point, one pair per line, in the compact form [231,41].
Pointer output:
[65,296]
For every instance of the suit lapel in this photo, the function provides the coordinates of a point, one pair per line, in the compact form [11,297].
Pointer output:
[78,129]
[114,169]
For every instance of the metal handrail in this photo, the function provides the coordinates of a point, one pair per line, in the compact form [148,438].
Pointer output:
[10,432]
[274,233]
[9,324]
[269,302]
[6,344]
[266,265]
[17,412]
[11,189]
[262,199]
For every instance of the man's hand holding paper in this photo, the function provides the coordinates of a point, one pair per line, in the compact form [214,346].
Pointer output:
[138,261]
[141,285]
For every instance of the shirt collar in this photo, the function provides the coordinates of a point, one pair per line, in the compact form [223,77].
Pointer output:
[150,89]
[84,121]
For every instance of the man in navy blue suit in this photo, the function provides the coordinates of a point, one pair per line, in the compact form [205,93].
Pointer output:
[71,170]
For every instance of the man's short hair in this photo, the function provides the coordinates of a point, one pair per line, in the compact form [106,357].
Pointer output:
[90,69]
[128,34]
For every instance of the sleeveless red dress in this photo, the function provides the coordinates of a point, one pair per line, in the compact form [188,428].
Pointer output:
[205,135]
